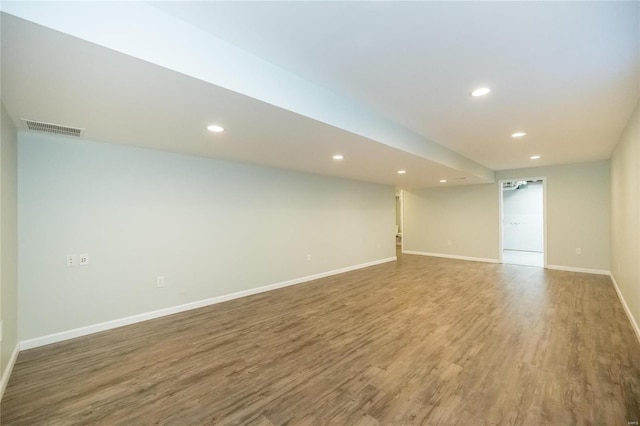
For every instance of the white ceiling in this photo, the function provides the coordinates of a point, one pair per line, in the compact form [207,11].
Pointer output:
[385,83]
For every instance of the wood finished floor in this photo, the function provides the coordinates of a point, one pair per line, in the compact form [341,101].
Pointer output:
[418,341]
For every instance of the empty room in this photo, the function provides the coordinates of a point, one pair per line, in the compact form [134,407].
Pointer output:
[310,213]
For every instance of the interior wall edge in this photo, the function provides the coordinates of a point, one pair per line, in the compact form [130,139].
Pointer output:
[627,311]
[6,374]
[108,325]
[625,217]
[8,242]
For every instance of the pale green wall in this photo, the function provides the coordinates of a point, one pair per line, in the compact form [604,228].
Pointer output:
[465,215]
[211,228]
[8,239]
[577,217]
[577,197]
[625,215]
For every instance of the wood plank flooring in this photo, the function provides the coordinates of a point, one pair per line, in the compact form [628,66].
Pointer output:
[418,341]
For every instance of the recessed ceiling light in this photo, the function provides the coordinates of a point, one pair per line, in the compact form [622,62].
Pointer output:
[518,134]
[215,128]
[480,92]
[338,157]
[443,181]
[534,157]
[402,172]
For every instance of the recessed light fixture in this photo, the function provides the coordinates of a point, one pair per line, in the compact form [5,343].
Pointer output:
[518,134]
[480,92]
[402,172]
[443,181]
[215,128]
[338,157]
[535,157]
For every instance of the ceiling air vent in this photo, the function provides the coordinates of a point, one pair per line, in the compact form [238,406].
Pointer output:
[57,129]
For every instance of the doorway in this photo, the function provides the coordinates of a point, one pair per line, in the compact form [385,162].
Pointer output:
[399,220]
[522,224]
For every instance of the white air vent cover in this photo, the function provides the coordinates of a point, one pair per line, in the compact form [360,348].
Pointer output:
[57,129]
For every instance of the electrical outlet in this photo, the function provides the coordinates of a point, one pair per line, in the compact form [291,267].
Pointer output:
[449,242]
[84,260]
[72,260]
[578,250]
[308,258]
[160,282]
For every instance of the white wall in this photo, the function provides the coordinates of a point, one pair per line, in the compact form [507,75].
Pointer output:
[209,227]
[466,216]
[522,218]
[577,217]
[625,215]
[8,244]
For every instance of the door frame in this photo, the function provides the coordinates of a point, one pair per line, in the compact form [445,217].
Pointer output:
[400,205]
[544,214]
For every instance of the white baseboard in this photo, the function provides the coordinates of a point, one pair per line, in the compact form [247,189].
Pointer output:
[108,325]
[7,371]
[451,256]
[583,270]
[632,320]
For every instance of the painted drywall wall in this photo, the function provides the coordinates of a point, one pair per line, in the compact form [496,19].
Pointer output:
[522,218]
[455,221]
[209,227]
[577,217]
[625,215]
[399,213]
[8,240]
[577,213]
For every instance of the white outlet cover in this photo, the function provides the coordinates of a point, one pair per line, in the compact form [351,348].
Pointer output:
[84,259]
[160,282]
[72,260]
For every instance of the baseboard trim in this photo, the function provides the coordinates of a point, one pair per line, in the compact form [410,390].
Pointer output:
[108,325]
[4,381]
[582,270]
[632,320]
[451,256]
